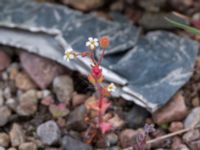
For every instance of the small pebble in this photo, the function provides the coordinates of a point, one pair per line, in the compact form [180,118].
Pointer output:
[7,93]
[4,76]
[1,98]
[12,103]
[111,139]
[2,148]
[5,114]
[28,146]
[17,135]
[176,126]
[4,140]
[195,102]
[49,132]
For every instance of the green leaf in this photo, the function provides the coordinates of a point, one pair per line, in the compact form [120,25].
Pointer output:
[164,126]
[185,27]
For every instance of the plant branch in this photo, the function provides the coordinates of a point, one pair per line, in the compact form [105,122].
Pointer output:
[102,55]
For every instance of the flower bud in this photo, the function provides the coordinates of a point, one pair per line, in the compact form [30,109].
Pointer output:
[104,42]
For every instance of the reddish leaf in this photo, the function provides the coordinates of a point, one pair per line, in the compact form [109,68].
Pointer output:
[105,127]
[100,105]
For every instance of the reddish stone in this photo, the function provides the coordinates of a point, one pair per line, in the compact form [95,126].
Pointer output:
[174,110]
[40,69]
[4,60]
[176,126]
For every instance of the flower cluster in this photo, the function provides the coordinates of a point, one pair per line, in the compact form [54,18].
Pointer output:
[96,77]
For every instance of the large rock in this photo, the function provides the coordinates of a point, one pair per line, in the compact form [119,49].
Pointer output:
[174,110]
[69,143]
[4,60]
[49,132]
[84,5]
[40,69]
[63,87]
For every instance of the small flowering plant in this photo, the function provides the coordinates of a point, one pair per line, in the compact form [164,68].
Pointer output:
[101,103]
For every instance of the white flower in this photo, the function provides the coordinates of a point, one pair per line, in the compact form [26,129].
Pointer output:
[111,87]
[69,54]
[92,43]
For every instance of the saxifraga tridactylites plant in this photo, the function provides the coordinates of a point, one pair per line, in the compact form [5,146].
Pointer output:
[101,104]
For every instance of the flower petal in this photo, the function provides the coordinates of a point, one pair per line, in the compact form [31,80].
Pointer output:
[87,43]
[96,44]
[71,56]
[95,39]
[92,46]
[90,39]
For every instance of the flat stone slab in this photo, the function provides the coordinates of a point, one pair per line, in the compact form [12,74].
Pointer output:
[147,69]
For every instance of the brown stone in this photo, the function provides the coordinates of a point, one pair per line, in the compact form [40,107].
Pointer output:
[4,60]
[23,82]
[4,140]
[128,137]
[28,146]
[78,99]
[174,110]
[17,135]
[5,114]
[40,69]
[84,5]
[176,126]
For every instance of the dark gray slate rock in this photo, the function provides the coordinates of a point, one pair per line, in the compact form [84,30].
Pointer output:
[158,65]
[75,26]
[69,143]
[149,69]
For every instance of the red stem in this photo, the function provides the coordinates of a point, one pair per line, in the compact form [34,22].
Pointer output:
[92,58]
[102,55]
[100,102]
